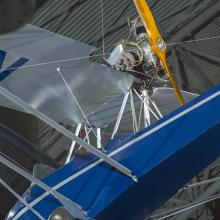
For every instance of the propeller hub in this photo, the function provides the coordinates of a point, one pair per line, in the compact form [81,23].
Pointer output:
[161,44]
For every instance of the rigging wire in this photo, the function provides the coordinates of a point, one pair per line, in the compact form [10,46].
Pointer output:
[194,41]
[77,103]
[100,107]
[103,54]
[22,200]
[56,61]
[146,105]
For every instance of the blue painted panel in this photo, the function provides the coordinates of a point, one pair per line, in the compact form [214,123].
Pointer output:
[12,68]
[153,189]
[164,157]
[2,57]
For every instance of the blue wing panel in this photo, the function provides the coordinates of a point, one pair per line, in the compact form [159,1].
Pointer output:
[164,157]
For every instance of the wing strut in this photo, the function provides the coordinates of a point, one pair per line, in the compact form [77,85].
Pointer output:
[15,99]
[74,209]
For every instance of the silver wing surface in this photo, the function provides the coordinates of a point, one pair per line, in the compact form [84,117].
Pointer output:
[54,74]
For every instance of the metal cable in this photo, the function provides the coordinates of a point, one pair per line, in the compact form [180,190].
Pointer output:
[193,41]
[103,54]
[79,106]
[22,200]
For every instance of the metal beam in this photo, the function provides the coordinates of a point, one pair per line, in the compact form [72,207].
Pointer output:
[140,114]
[207,57]
[120,114]
[196,23]
[195,67]
[204,182]
[133,111]
[212,190]
[156,107]
[26,146]
[189,208]
[177,68]
[147,121]
[69,155]
[99,138]
[217,21]
[4,92]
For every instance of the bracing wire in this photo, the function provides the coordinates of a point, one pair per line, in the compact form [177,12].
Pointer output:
[98,108]
[102,54]
[194,41]
[76,101]
[57,61]
[22,200]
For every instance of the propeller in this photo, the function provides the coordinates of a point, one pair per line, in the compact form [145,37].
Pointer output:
[157,42]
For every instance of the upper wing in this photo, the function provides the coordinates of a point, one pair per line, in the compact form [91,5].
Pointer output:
[38,82]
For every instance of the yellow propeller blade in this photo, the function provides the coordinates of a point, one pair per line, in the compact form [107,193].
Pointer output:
[157,43]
